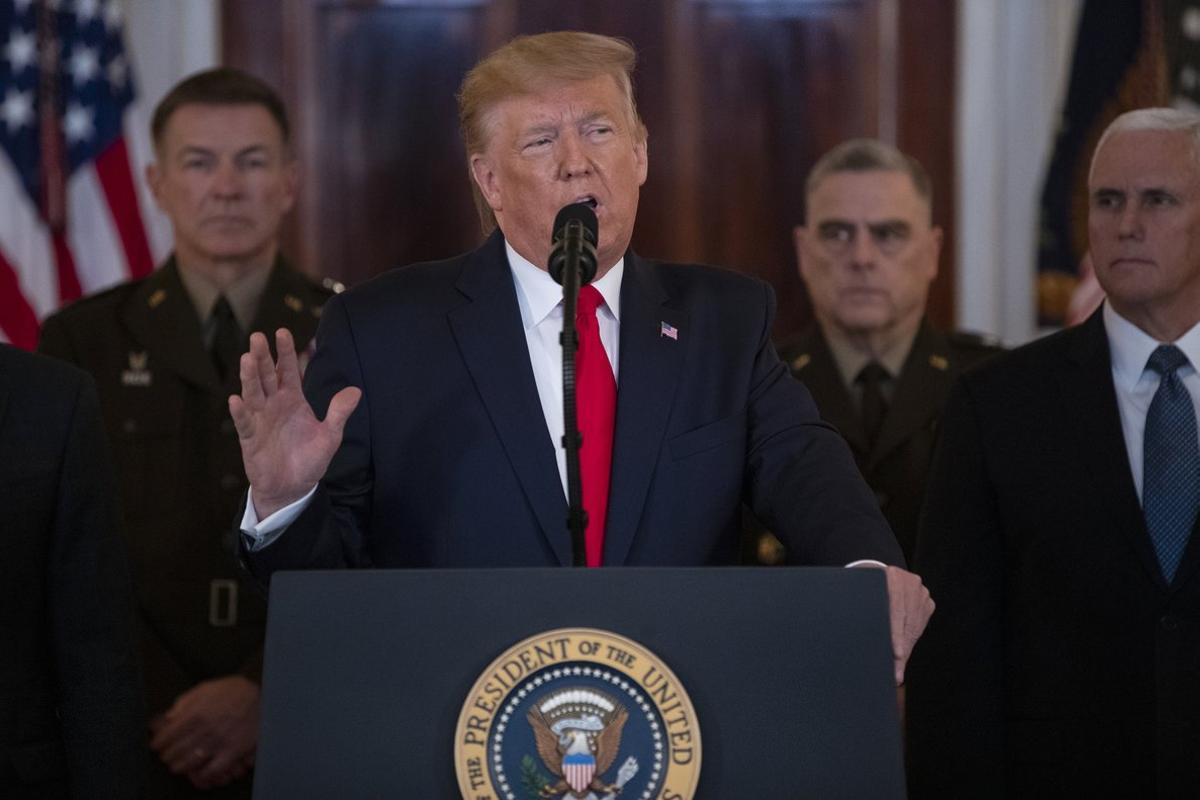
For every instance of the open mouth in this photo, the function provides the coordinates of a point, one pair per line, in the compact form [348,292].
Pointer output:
[589,201]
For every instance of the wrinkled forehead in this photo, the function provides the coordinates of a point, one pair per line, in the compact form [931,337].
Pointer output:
[873,195]
[221,126]
[1144,158]
[548,101]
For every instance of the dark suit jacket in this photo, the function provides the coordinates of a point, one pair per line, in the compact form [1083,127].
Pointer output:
[71,718]
[895,468]
[1058,663]
[179,468]
[448,462]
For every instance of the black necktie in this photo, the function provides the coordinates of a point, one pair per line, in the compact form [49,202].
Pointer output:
[874,407]
[227,341]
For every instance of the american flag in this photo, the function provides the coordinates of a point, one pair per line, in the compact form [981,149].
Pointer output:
[71,220]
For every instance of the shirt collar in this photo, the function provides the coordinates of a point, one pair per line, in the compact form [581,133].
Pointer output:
[243,294]
[1130,347]
[850,360]
[538,295]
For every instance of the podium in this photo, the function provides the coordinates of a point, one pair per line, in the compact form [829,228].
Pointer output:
[788,671]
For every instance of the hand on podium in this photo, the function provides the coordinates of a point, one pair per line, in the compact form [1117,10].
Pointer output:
[285,448]
[910,607]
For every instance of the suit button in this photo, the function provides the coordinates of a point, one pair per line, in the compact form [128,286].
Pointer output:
[129,425]
[1169,623]
[229,482]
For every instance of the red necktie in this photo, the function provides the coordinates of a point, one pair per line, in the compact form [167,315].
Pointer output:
[596,407]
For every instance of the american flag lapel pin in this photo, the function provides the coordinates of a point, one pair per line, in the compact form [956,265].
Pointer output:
[668,330]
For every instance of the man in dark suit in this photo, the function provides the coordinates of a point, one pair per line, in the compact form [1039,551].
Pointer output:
[1058,528]
[877,368]
[164,354]
[72,721]
[450,457]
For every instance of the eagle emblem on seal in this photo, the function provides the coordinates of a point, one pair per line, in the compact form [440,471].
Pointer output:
[578,735]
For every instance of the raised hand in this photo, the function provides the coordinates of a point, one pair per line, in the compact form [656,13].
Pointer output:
[285,448]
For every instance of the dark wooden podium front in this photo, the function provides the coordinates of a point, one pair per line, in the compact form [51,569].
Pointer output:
[789,672]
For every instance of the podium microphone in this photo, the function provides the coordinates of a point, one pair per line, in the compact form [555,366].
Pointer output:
[576,231]
[573,264]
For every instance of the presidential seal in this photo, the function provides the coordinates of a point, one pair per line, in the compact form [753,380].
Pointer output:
[577,714]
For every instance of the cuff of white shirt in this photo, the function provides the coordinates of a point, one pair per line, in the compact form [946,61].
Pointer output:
[867,562]
[260,534]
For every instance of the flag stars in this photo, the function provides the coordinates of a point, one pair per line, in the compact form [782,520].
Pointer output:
[21,50]
[1190,23]
[17,110]
[112,15]
[79,123]
[1189,78]
[86,10]
[84,64]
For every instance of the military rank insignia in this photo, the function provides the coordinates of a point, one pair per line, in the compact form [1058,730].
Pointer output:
[137,374]
[577,714]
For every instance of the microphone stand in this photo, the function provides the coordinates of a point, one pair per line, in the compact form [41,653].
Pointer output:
[571,441]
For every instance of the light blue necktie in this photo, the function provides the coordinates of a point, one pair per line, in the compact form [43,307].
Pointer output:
[1171,469]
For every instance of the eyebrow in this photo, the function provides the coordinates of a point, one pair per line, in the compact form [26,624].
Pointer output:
[195,149]
[889,222]
[552,127]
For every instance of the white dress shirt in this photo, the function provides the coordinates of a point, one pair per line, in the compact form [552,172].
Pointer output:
[1130,348]
[540,300]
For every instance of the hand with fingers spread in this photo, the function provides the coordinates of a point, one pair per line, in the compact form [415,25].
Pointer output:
[210,734]
[285,448]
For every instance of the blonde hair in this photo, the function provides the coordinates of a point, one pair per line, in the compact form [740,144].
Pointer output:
[529,64]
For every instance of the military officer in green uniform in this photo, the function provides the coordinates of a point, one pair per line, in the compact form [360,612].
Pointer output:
[164,353]
[878,370]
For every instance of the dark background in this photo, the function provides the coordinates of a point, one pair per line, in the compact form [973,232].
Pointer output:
[740,97]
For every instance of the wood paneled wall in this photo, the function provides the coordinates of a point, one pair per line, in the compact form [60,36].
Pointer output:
[740,97]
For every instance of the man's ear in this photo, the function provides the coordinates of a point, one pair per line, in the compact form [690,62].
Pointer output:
[154,179]
[935,243]
[291,183]
[799,237]
[485,178]
[641,154]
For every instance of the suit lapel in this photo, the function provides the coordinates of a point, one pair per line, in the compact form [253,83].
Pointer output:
[1090,409]
[922,385]
[646,383]
[491,338]
[162,319]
